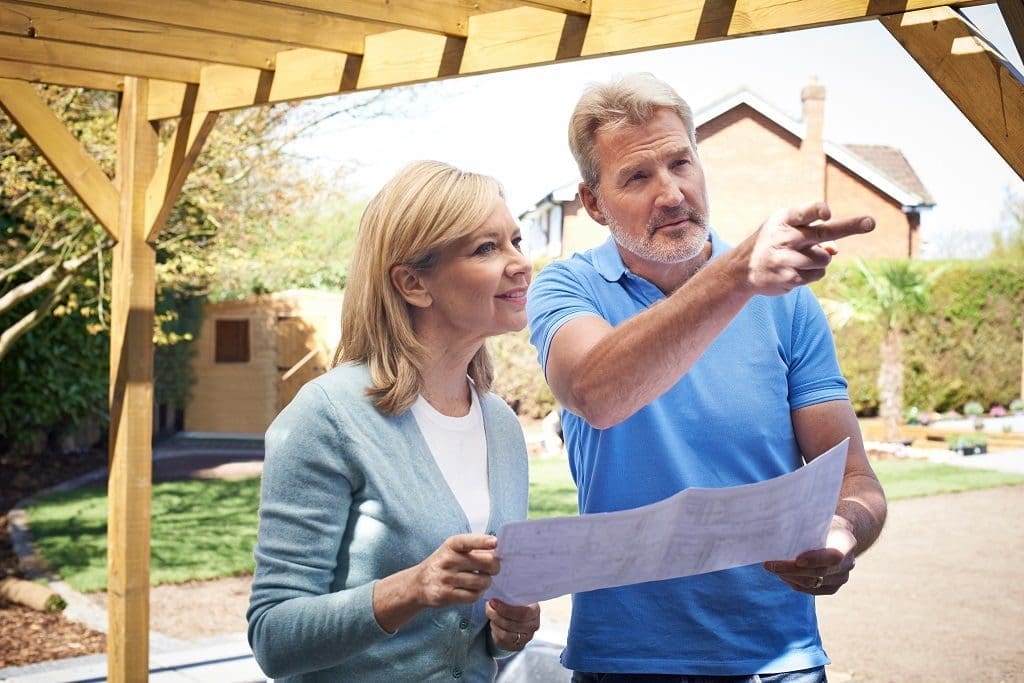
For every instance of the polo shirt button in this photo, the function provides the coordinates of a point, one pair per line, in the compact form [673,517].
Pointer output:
[464,624]
[456,673]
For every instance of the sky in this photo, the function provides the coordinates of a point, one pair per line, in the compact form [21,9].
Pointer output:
[512,124]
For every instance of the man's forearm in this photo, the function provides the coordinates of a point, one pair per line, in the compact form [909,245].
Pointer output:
[642,358]
[862,504]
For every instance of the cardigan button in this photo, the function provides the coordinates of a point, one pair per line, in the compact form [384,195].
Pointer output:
[464,624]
[456,673]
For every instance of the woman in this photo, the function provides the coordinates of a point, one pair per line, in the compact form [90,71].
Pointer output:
[386,478]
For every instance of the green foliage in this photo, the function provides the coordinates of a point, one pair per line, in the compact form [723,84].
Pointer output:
[201,529]
[518,377]
[965,346]
[311,248]
[972,408]
[54,384]
[242,218]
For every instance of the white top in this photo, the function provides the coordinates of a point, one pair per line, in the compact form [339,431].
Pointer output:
[459,446]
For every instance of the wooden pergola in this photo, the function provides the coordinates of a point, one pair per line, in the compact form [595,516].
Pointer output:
[191,59]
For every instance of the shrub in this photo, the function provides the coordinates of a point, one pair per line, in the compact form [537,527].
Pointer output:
[518,377]
[966,347]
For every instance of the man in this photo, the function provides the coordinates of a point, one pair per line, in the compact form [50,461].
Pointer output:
[680,362]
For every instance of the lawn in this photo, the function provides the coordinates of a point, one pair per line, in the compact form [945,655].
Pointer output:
[206,528]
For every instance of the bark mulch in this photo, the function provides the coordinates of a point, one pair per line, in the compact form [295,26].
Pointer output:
[28,636]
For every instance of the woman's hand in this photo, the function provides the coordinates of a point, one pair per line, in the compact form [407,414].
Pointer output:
[512,626]
[458,572]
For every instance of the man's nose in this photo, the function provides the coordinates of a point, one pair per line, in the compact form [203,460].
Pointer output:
[669,193]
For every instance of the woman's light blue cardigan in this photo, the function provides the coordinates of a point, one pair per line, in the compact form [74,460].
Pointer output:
[349,496]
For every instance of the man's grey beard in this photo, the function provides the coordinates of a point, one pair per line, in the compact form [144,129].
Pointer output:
[678,250]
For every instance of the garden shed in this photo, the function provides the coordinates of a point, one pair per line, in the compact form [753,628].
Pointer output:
[188,60]
[253,355]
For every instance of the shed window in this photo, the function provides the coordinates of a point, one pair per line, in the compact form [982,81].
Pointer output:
[232,341]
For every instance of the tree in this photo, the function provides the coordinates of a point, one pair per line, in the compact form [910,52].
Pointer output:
[889,295]
[246,202]
[1009,243]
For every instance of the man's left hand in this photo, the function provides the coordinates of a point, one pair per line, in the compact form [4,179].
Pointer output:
[822,571]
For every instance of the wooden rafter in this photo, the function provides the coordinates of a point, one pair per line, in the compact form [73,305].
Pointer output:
[972,73]
[67,156]
[276,22]
[296,49]
[145,37]
[1013,15]
[174,166]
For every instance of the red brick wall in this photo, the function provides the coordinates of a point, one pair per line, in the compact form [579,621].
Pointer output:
[753,168]
[848,195]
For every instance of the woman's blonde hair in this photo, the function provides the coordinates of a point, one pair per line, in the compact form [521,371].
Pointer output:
[631,100]
[424,208]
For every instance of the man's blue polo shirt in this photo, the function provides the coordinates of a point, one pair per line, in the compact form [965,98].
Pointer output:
[726,422]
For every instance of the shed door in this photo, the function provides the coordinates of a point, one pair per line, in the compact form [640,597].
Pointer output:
[299,358]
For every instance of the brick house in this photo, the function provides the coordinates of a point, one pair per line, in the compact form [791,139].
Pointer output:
[757,160]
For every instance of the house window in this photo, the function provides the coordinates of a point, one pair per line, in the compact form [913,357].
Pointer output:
[232,341]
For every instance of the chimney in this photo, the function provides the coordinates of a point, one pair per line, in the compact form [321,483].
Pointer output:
[812,148]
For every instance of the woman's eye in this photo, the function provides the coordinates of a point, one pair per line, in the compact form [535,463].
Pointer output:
[485,248]
[518,243]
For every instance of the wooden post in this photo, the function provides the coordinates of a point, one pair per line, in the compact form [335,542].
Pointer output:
[133,296]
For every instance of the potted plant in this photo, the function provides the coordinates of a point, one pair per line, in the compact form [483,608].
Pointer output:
[1017,406]
[974,411]
[968,444]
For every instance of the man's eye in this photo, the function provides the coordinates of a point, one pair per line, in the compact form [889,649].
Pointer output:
[680,162]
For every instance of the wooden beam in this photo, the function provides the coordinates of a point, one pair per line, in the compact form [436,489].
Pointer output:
[175,164]
[408,57]
[133,294]
[67,156]
[103,59]
[273,22]
[301,74]
[21,19]
[76,78]
[521,36]
[435,16]
[972,73]
[1013,15]
[627,25]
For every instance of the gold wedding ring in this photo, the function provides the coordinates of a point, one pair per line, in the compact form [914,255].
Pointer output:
[519,636]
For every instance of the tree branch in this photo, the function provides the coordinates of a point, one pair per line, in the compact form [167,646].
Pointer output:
[30,320]
[27,289]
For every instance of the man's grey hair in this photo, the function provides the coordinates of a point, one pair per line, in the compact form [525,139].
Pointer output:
[630,100]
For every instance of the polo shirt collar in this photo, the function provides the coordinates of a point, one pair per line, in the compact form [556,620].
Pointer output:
[608,260]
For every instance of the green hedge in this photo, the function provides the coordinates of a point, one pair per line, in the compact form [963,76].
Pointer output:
[968,346]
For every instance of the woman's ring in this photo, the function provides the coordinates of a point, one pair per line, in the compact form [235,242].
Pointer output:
[818,581]
[519,636]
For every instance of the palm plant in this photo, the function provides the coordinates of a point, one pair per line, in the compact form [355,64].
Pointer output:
[893,292]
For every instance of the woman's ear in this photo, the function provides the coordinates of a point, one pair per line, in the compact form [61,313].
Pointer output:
[409,283]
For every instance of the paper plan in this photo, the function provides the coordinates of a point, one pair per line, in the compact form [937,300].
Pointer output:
[693,532]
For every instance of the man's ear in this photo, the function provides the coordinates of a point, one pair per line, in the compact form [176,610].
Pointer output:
[590,203]
[410,285]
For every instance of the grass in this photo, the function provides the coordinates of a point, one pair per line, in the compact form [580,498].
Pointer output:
[206,529]
[201,529]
